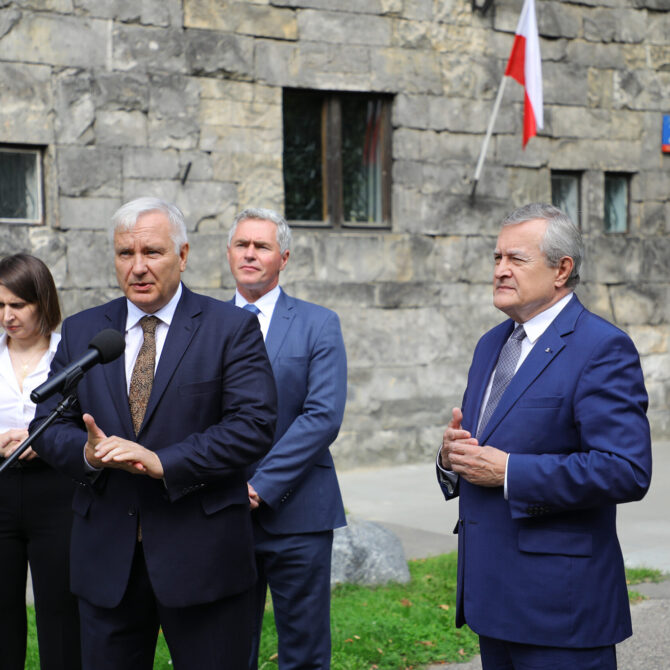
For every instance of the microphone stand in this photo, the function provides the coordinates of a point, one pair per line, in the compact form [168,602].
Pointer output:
[68,401]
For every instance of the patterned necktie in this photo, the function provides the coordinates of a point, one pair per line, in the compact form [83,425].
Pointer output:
[142,378]
[250,307]
[505,368]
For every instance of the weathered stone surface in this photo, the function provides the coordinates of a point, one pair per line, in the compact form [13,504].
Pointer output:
[56,39]
[367,553]
[87,213]
[128,99]
[260,20]
[148,49]
[89,171]
[26,103]
[212,53]
[163,13]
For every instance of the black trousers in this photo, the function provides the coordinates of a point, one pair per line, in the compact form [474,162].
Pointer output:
[210,636]
[35,521]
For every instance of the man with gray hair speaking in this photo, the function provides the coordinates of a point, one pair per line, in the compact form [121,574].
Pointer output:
[293,490]
[551,436]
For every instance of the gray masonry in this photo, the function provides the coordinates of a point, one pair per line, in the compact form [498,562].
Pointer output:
[182,99]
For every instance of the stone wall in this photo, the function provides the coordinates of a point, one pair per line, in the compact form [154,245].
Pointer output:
[182,99]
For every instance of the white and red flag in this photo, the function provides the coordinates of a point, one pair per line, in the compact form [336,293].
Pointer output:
[525,65]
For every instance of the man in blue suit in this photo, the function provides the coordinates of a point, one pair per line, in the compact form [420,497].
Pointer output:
[552,434]
[162,531]
[293,490]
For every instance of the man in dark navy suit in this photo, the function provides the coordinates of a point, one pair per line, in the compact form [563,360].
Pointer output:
[552,434]
[293,490]
[162,532]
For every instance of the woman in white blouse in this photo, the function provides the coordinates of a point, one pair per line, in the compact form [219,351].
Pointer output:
[35,500]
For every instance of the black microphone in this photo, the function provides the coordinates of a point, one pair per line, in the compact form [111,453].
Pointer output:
[106,346]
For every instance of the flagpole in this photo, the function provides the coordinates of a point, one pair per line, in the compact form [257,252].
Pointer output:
[487,138]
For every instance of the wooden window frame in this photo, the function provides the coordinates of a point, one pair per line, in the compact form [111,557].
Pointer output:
[331,164]
[627,176]
[578,175]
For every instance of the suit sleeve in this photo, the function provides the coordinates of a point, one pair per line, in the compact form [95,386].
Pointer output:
[612,461]
[313,431]
[246,430]
[65,452]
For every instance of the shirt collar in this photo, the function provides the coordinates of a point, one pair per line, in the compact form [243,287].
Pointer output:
[165,313]
[265,303]
[540,322]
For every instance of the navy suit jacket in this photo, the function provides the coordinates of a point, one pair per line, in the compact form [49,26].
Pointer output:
[544,567]
[211,413]
[297,479]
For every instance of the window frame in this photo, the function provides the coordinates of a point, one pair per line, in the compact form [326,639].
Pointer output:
[578,175]
[332,183]
[627,178]
[38,152]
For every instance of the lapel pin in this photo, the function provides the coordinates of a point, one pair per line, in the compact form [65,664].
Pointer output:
[548,350]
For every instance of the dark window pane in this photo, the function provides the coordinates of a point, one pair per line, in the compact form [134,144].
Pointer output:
[565,194]
[616,203]
[361,158]
[18,185]
[303,189]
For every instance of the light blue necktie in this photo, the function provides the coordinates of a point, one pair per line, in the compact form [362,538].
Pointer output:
[250,307]
[505,368]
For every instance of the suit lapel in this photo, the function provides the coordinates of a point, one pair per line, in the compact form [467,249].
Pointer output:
[184,326]
[282,317]
[115,371]
[547,347]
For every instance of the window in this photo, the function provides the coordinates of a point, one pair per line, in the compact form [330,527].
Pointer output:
[566,193]
[337,158]
[616,202]
[20,185]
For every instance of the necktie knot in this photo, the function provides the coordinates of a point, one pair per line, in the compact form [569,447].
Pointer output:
[250,307]
[149,324]
[518,333]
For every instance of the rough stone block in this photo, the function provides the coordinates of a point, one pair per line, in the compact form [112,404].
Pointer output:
[148,49]
[344,28]
[241,17]
[206,260]
[636,303]
[121,90]
[120,128]
[75,107]
[405,70]
[615,25]
[559,19]
[89,260]
[56,40]
[367,553]
[89,171]
[87,213]
[163,13]
[313,65]
[145,163]
[25,112]
[213,53]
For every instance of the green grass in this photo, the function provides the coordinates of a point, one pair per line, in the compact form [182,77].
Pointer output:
[393,627]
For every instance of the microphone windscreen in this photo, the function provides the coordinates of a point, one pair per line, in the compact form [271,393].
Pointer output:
[110,344]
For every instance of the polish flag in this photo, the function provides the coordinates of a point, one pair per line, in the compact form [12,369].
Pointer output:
[525,65]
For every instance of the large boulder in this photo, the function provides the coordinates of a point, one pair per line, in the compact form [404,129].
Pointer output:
[366,553]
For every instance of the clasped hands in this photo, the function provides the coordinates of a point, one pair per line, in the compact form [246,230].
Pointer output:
[461,453]
[115,452]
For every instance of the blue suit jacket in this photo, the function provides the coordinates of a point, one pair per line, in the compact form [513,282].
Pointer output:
[211,413]
[545,567]
[297,479]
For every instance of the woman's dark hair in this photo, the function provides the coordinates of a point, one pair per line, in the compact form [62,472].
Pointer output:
[29,278]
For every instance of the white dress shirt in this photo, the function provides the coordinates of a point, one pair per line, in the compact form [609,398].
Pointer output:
[266,304]
[135,335]
[16,408]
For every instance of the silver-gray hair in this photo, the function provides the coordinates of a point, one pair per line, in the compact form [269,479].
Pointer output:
[562,237]
[262,214]
[126,217]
